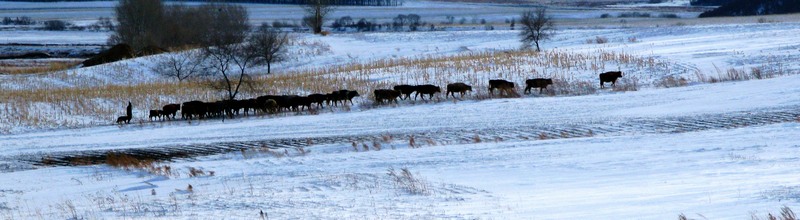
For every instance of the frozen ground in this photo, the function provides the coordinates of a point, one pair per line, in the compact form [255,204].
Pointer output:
[651,173]
[719,174]
[685,101]
[54,37]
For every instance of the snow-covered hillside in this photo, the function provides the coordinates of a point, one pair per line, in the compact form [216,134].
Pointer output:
[721,150]
[716,174]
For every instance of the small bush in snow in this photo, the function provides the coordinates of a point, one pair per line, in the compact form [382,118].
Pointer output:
[600,40]
[671,81]
[668,16]
[405,181]
[56,25]
[786,214]
[630,83]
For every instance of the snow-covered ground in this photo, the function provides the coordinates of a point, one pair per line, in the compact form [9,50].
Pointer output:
[719,174]
[500,113]
[647,174]
[53,37]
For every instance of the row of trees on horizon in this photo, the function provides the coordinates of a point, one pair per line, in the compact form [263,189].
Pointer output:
[288,2]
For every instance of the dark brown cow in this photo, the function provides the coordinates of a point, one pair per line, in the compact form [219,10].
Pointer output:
[249,104]
[426,89]
[352,94]
[386,94]
[155,114]
[318,99]
[610,77]
[302,101]
[454,88]
[502,85]
[170,109]
[405,90]
[540,83]
[333,97]
[192,109]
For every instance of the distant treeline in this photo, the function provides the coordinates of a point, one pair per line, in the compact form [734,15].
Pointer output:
[754,7]
[290,2]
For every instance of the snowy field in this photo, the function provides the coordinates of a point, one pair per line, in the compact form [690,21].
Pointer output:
[500,172]
[718,174]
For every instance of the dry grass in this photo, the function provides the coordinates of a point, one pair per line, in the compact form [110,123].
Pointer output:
[405,181]
[129,162]
[93,102]
[195,172]
[36,66]
[597,40]
[785,214]
[768,70]
[624,84]
[671,81]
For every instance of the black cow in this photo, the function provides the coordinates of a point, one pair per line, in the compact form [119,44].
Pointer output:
[293,102]
[502,85]
[248,104]
[170,109]
[215,109]
[405,90]
[540,83]
[426,89]
[454,88]
[302,101]
[351,94]
[386,94]
[318,99]
[610,77]
[192,109]
[333,97]
[155,114]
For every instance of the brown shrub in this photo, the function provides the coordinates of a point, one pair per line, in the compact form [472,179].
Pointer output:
[116,53]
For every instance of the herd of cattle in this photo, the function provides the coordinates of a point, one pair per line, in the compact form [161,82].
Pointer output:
[274,103]
[264,104]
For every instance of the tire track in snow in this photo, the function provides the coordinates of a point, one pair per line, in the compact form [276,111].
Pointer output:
[631,126]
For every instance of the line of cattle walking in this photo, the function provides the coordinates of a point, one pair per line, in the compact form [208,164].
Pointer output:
[274,103]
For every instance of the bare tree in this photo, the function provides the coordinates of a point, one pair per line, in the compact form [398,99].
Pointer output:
[228,24]
[316,12]
[536,26]
[186,25]
[226,57]
[181,66]
[140,22]
[151,23]
[269,45]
